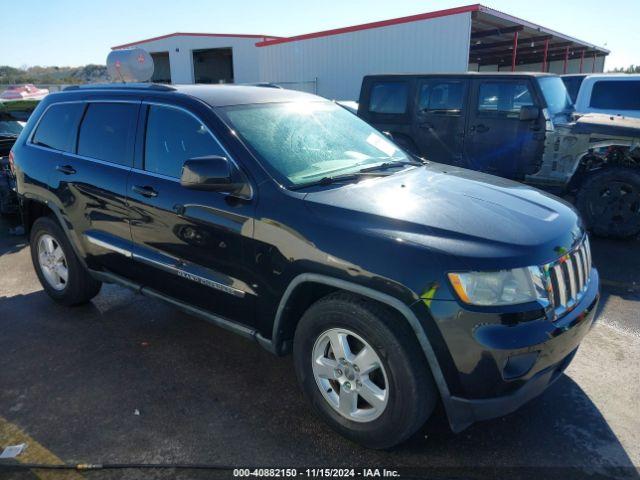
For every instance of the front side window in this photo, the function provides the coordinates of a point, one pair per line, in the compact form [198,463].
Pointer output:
[389,97]
[503,98]
[441,97]
[174,136]
[555,95]
[616,95]
[58,126]
[302,142]
[108,132]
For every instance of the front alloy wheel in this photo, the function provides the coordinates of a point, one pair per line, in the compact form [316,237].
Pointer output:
[350,375]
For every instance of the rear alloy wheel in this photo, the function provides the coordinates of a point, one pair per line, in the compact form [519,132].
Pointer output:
[609,201]
[60,272]
[361,367]
[53,263]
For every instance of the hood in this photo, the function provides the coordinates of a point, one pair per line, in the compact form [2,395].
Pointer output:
[457,211]
[612,125]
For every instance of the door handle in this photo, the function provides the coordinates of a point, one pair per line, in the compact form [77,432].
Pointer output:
[426,125]
[66,169]
[481,128]
[145,190]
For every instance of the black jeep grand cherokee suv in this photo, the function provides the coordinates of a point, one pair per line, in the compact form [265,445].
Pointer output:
[283,217]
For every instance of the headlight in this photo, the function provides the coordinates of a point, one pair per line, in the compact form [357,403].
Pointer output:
[505,287]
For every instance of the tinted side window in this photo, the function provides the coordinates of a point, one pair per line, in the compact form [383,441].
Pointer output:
[58,126]
[389,97]
[616,95]
[108,132]
[503,98]
[174,136]
[441,97]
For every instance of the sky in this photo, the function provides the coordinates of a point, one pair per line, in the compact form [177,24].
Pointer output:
[74,32]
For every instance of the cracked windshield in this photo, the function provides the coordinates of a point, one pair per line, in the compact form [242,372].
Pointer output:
[307,141]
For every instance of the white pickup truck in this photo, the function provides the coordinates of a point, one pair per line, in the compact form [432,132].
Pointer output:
[612,94]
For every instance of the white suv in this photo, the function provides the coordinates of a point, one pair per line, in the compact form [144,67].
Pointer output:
[613,94]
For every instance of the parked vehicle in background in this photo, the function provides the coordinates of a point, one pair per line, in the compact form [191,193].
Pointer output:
[24,92]
[285,218]
[519,126]
[611,94]
[13,118]
[573,81]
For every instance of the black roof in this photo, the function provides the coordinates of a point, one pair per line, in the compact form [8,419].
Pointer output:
[214,95]
[225,95]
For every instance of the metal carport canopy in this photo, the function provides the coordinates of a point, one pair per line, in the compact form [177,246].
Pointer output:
[501,39]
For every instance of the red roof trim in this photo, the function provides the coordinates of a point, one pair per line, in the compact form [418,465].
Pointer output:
[187,34]
[367,26]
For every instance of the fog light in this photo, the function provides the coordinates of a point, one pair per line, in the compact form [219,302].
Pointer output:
[519,365]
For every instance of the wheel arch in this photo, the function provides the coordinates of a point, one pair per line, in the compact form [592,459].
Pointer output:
[284,322]
[34,207]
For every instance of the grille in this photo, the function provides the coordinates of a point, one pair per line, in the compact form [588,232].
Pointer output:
[569,277]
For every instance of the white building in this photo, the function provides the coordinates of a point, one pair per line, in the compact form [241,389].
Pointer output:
[332,63]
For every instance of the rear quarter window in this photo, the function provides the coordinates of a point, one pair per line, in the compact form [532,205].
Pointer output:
[389,97]
[108,132]
[616,95]
[58,126]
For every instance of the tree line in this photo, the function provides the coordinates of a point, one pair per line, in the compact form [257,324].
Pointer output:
[53,75]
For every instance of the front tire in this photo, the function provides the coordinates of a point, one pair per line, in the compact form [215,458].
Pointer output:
[363,371]
[60,272]
[609,202]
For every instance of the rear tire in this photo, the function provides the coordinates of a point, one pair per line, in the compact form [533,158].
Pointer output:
[406,393]
[60,272]
[609,202]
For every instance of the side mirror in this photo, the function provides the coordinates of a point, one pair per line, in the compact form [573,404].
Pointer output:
[213,173]
[529,112]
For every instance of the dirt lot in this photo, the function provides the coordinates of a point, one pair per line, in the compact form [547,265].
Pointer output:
[129,379]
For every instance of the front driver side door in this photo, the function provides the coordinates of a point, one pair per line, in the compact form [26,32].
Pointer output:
[189,244]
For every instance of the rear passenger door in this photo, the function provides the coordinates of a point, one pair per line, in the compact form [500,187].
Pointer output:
[496,140]
[89,175]
[439,119]
[188,244]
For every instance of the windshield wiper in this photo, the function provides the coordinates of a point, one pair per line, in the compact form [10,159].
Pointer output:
[392,164]
[9,135]
[345,177]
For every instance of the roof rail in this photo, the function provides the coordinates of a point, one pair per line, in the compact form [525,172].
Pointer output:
[127,86]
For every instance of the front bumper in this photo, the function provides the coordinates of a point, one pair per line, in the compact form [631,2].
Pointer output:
[494,365]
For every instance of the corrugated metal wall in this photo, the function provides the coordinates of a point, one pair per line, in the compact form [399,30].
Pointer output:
[338,62]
